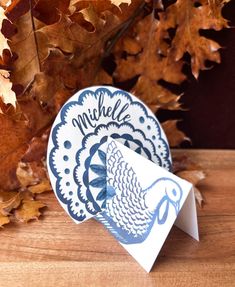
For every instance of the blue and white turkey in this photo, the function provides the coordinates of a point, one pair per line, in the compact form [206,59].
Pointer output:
[131,211]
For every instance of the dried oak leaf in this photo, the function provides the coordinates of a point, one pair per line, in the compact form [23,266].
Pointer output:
[57,53]
[26,175]
[174,136]
[214,9]
[18,137]
[70,37]
[29,210]
[56,83]
[183,162]
[31,171]
[4,220]
[37,118]
[5,3]
[77,63]
[3,39]
[62,55]
[6,93]
[119,2]
[193,176]
[41,187]
[14,138]
[184,167]
[9,201]
[188,19]
[147,59]
[33,176]
[28,44]
[37,148]
[123,12]
[48,12]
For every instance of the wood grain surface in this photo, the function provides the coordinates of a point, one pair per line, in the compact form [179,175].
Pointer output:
[54,251]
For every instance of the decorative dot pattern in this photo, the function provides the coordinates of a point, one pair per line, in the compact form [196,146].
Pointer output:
[67,148]
[67,144]
[67,171]
[66,158]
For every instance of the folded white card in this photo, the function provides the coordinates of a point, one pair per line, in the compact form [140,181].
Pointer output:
[108,158]
[143,202]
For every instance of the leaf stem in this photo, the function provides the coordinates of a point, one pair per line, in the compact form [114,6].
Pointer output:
[34,34]
[111,43]
[123,30]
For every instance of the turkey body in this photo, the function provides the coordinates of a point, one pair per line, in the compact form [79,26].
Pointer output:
[131,211]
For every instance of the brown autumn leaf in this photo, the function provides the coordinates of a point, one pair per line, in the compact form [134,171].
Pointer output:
[215,11]
[25,175]
[3,39]
[27,72]
[44,69]
[29,210]
[31,170]
[41,187]
[6,93]
[9,201]
[193,176]
[147,58]
[37,148]
[16,145]
[31,174]
[187,169]
[119,2]
[14,138]
[4,220]
[48,12]
[28,62]
[58,48]
[5,3]
[70,37]
[123,12]
[76,63]
[183,162]
[174,135]
[207,15]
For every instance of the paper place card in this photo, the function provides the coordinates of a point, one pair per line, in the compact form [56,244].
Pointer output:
[143,202]
[108,158]
[77,145]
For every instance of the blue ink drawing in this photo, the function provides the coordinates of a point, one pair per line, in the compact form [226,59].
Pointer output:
[131,211]
[77,146]
[100,180]
[94,203]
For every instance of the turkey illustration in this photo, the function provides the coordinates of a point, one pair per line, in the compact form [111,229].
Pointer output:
[131,211]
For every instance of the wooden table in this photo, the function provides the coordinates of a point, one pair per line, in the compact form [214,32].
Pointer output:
[56,252]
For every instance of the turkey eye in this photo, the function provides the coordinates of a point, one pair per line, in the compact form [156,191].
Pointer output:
[174,192]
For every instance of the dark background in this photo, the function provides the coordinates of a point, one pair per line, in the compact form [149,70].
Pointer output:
[210,120]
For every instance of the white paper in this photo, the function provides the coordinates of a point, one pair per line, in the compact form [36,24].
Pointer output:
[166,198]
[119,182]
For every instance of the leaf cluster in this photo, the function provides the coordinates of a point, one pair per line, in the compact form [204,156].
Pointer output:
[51,49]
